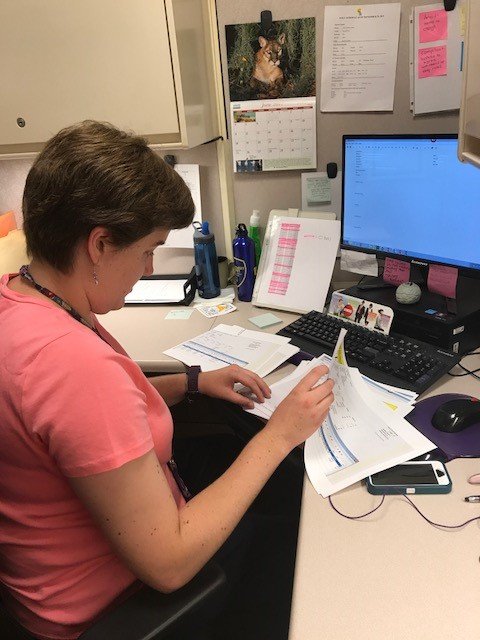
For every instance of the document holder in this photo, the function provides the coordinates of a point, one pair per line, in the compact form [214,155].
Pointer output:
[189,289]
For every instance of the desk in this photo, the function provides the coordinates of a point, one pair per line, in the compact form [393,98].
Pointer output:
[392,576]
[145,334]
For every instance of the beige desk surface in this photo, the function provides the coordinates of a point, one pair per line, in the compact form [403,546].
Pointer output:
[144,333]
[390,577]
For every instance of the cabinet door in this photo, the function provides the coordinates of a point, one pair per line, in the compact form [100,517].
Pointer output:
[63,61]
[469,128]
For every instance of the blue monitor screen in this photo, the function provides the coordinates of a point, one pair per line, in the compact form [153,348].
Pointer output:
[411,196]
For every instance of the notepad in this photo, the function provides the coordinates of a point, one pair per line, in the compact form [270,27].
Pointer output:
[265,320]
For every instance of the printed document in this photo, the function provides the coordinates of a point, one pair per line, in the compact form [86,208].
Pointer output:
[230,344]
[399,401]
[183,238]
[297,263]
[360,47]
[360,436]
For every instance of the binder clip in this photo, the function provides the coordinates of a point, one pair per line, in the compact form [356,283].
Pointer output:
[267,28]
[332,170]
[449,4]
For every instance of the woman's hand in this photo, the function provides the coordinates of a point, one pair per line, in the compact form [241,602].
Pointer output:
[475,479]
[303,411]
[220,383]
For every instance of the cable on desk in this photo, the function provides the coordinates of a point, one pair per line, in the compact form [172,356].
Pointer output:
[363,515]
[438,525]
[467,372]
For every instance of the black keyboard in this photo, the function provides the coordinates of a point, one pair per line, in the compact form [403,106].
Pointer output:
[393,359]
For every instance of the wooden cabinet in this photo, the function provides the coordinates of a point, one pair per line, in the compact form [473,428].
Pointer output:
[469,130]
[144,65]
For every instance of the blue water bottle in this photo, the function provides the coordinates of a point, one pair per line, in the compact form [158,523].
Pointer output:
[244,259]
[206,261]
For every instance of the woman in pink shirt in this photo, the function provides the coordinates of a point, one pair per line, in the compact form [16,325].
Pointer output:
[90,500]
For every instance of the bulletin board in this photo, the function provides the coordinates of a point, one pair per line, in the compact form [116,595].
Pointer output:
[267,191]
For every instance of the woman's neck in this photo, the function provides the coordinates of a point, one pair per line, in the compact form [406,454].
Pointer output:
[66,286]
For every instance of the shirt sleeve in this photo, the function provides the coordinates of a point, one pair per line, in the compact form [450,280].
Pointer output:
[81,401]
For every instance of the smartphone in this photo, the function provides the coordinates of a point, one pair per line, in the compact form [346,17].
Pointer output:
[411,477]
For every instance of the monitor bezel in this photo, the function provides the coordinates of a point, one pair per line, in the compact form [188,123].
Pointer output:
[462,270]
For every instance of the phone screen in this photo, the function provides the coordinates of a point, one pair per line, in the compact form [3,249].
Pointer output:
[406,474]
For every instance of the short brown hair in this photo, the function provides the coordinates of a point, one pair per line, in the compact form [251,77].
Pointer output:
[93,174]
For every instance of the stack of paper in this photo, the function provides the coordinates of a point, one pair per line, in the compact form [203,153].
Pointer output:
[364,432]
[229,344]
[400,401]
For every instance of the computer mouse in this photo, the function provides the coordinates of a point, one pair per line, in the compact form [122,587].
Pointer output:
[456,415]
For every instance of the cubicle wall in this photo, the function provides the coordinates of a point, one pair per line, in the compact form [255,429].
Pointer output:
[280,190]
[274,190]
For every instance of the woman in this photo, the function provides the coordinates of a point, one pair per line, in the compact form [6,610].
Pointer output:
[88,500]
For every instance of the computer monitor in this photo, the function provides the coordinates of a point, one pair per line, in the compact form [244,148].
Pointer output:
[408,196]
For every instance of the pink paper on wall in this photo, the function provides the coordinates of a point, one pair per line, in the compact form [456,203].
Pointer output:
[442,280]
[432,61]
[433,26]
[396,271]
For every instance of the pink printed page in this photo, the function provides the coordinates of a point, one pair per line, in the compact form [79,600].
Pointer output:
[396,271]
[432,61]
[433,26]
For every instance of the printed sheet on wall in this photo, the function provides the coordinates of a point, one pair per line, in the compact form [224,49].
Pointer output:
[360,47]
[272,92]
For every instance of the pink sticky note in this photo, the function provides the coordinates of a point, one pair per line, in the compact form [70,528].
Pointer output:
[396,271]
[433,25]
[432,61]
[442,280]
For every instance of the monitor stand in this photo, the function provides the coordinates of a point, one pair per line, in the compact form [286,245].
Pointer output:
[430,319]
[373,283]
[417,275]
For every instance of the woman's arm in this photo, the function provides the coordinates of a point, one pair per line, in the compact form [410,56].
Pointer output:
[172,388]
[216,384]
[164,547]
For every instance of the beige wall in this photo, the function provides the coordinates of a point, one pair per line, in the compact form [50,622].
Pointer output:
[276,190]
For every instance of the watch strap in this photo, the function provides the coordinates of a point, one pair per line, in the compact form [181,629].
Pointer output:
[192,381]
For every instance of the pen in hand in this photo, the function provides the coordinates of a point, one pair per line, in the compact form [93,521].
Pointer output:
[472,499]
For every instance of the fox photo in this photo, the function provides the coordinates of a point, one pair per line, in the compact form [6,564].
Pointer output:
[276,64]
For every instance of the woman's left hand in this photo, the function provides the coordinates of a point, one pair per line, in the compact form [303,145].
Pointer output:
[220,383]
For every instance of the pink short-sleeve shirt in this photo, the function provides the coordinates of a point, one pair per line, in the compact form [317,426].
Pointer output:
[71,405]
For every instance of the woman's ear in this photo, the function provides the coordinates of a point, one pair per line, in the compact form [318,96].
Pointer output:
[98,244]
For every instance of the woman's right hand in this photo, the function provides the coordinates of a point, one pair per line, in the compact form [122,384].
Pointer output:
[304,409]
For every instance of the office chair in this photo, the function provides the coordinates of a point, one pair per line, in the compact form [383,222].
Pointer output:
[147,614]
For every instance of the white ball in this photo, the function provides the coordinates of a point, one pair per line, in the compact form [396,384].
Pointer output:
[408,293]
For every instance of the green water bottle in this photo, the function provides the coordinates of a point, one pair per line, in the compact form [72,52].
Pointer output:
[254,233]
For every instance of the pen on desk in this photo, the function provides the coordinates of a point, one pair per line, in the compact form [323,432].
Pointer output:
[472,499]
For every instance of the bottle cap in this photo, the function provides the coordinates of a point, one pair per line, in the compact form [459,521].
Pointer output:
[242,230]
[255,218]
[202,233]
